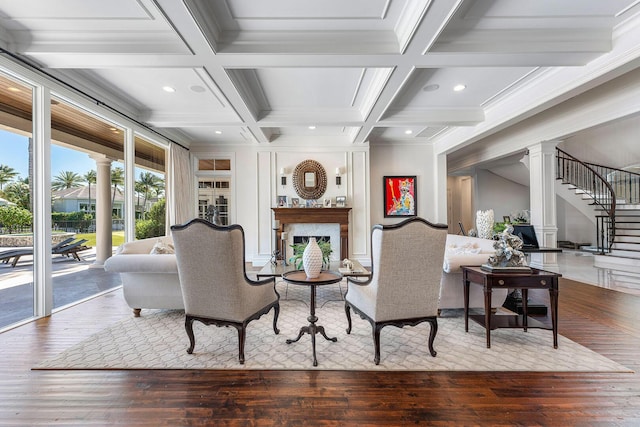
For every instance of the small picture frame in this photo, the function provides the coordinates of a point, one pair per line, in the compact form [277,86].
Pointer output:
[506,219]
[312,203]
[400,196]
[295,202]
[326,203]
[282,201]
[341,201]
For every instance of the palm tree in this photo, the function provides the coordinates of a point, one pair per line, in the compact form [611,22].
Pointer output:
[66,179]
[117,179]
[139,190]
[18,193]
[148,183]
[7,174]
[90,178]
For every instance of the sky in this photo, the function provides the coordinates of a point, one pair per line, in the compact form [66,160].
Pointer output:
[14,150]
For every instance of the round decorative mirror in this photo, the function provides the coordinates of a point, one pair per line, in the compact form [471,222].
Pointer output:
[309,179]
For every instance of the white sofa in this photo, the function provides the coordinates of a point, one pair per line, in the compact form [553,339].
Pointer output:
[463,250]
[148,280]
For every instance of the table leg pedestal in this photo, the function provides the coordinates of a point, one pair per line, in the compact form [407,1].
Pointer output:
[487,313]
[312,329]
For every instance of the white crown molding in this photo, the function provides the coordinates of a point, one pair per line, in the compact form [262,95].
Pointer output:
[548,89]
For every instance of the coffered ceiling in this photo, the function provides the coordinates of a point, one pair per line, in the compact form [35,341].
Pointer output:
[307,71]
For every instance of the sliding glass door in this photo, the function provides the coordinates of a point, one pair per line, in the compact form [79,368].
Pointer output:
[17,293]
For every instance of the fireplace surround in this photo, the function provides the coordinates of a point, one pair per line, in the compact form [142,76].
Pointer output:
[339,216]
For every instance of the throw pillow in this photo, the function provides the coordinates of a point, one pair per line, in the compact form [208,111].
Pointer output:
[162,248]
[467,248]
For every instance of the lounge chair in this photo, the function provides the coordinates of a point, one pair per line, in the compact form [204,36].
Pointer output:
[71,249]
[6,256]
[65,248]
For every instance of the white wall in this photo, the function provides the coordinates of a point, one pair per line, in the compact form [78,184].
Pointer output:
[399,159]
[256,186]
[615,144]
[501,195]
[573,225]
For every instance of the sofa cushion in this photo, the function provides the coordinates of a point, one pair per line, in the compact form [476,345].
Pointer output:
[142,263]
[142,246]
[452,264]
[162,248]
[467,248]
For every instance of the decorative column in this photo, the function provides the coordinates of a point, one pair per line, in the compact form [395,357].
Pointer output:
[542,194]
[103,210]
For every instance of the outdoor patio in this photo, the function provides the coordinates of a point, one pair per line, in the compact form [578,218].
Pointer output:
[73,281]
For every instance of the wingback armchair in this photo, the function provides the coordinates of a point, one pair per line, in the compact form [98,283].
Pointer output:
[406,266]
[214,283]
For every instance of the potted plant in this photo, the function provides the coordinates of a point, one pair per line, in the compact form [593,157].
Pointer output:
[298,250]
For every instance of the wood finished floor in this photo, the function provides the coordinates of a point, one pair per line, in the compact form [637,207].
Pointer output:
[603,320]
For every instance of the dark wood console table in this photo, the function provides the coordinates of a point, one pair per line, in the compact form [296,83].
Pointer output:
[536,279]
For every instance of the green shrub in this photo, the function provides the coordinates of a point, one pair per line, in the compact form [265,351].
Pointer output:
[154,225]
[14,218]
[77,220]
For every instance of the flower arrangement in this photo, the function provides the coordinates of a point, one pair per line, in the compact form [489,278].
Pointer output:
[298,250]
[520,217]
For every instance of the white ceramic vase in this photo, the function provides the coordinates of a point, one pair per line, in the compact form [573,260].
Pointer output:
[484,224]
[312,259]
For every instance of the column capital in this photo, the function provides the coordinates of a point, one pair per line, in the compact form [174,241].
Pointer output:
[543,146]
[101,158]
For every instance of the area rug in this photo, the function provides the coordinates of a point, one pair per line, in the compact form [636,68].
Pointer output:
[157,340]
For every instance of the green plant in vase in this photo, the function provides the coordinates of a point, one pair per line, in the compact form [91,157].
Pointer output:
[498,227]
[298,250]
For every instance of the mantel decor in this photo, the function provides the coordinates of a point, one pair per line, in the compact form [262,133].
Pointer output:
[309,180]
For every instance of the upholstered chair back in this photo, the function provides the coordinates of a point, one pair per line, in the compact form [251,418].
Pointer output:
[211,269]
[406,272]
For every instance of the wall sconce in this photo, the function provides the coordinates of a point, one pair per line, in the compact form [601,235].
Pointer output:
[283,178]
[338,177]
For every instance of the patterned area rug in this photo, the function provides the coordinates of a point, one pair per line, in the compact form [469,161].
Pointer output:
[157,340]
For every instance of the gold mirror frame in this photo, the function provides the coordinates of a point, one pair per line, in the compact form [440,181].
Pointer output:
[299,174]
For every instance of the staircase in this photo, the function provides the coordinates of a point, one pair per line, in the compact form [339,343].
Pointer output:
[615,195]
[627,239]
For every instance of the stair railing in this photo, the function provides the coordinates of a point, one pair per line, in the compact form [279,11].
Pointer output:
[584,177]
[626,184]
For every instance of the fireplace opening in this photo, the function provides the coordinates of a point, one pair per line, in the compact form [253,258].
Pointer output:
[304,239]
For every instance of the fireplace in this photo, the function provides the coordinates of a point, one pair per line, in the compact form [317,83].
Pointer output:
[304,239]
[338,216]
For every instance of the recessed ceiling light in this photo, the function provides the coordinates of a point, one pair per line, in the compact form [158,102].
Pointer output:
[13,89]
[408,131]
[197,89]
[431,88]
[312,127]
[168,89]
[458,88]
[218,132]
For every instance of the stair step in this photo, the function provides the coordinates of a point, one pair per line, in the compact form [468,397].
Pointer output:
[622,238]
[626,246]
[617,263]
[630,254]
[628,237]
